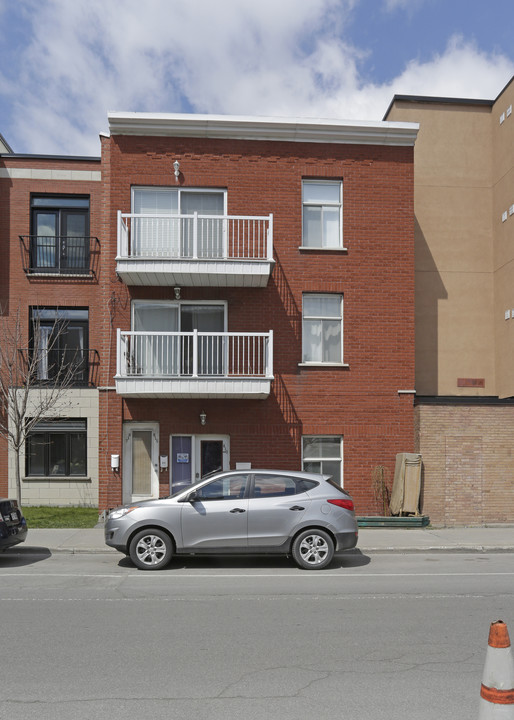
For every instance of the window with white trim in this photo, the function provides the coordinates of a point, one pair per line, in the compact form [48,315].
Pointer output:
[323,454]
[322,208]
[167,220]
[322,329]
[156,351]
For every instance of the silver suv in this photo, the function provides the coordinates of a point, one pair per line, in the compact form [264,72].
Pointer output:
[301,514]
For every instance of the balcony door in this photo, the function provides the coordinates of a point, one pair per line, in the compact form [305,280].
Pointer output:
[60,229]
[59,337]
[158,354]
[155,354]
[159,234]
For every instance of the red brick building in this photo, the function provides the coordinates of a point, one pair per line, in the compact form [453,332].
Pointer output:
[252,303]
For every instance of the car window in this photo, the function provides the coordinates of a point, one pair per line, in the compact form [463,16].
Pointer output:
[224,488]
[305,485]
[270,485]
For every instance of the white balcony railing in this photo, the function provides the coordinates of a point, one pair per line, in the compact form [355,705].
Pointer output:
[195,237]
[195,355]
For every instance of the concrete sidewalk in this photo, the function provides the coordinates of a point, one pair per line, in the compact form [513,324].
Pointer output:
[372,540]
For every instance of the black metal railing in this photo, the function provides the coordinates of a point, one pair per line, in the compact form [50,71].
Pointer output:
[60,255]
[73,367]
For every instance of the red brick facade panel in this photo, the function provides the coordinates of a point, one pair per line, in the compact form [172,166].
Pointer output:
[374,275]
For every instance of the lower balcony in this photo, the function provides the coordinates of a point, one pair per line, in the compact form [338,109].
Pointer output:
[58,367]
[194,364]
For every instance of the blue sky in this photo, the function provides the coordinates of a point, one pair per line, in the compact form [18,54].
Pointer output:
[65,63]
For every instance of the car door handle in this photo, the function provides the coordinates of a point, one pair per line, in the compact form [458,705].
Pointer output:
[297,507]
[238,510]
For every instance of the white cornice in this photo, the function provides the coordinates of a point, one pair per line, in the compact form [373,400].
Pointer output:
[263,128]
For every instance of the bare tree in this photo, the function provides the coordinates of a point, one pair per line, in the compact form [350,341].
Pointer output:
[34,378]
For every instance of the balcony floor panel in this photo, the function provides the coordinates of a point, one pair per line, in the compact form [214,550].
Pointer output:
[228,273]
[249,388]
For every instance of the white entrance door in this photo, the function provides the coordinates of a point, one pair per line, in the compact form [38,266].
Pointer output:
[140,461]
[195,456]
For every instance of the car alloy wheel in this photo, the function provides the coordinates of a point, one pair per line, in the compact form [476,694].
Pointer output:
[151,549]
[313,549]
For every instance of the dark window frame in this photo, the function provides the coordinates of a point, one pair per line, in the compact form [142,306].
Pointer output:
[62,316]
[60,253]
[43,433]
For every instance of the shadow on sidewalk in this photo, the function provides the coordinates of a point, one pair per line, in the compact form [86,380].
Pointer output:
[21,556]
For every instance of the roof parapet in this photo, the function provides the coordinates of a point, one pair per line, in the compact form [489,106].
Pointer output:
[263,128]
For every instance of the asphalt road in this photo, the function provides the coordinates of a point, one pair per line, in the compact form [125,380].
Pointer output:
[386,636]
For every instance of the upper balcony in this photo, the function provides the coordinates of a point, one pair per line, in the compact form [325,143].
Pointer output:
[194,364]
[195,250]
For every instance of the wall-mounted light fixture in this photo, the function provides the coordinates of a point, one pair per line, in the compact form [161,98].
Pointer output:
[115,463]
[177,293]
[176,168]
[203,418]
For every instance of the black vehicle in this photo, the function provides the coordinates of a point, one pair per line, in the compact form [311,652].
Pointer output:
[13,527]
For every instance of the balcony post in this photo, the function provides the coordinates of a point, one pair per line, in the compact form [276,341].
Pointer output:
[195,236]
[118,352]
[195,353]
[269,359]
[270,238]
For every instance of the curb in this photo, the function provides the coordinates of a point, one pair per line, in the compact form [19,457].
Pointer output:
[478,549]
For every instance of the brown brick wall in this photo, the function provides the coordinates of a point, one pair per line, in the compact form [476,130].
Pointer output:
[468,468]
[375,275]
[19,291]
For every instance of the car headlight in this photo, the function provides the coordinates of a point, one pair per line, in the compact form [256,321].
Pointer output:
[120,512]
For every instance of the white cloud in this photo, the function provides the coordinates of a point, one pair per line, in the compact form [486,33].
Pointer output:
[410,5]
[272,57]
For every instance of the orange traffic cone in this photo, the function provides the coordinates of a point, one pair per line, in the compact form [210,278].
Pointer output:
[497,692]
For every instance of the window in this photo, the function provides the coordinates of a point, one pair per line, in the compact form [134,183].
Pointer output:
[225,488]
[59,241]
[280,485]
[322,214]
[57,448]
[156,353]
[322,329]
[59,336]
[323,454]
[182,236]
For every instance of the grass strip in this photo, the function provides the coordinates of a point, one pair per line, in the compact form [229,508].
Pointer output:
[60,517]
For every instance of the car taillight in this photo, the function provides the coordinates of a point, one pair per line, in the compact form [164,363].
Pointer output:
[345,503]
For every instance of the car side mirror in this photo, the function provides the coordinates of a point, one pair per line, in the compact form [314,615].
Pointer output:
[192,497]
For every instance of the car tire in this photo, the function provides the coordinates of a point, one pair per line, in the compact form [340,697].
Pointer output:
[313,549]
[151,549]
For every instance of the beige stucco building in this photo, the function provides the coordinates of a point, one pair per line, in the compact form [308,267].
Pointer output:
[464,262]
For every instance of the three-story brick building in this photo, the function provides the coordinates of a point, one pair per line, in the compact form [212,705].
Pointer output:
[252,303]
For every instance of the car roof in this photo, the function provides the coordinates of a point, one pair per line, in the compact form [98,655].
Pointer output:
[293,473]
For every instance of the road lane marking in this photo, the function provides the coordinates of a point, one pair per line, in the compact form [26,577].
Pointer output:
[178,574]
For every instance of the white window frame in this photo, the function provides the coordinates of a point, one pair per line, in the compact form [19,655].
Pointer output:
[306,203]
[321,459]
[179,191]
[178,304]
[319,317]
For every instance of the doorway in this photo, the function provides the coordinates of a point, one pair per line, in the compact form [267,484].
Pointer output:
[140,461]
[195,456]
